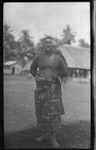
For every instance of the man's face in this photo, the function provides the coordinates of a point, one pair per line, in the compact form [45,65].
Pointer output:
[48,46]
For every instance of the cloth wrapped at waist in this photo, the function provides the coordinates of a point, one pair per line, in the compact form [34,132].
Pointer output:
[41,77]
[49,91]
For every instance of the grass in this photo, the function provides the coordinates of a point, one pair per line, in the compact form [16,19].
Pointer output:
[20,119]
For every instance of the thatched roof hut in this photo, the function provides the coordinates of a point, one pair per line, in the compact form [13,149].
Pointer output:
[12,67]
[76,57]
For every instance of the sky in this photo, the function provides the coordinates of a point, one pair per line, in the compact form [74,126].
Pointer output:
[48,18]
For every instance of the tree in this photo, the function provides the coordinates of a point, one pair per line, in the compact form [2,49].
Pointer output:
[9,43]
[82,43]
[68,35]
[26,45]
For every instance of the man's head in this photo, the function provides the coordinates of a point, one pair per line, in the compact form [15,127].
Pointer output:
[48,44]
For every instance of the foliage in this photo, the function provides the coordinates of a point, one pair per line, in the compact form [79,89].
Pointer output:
[68,35]
[9,44]
[25,44]
[82,43]
[17,49]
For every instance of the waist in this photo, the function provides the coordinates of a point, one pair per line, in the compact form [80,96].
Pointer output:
[49,73]
[44,77]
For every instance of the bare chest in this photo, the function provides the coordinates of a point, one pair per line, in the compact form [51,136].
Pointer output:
[47,61]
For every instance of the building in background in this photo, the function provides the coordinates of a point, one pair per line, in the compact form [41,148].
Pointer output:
[78,60]
[12,67]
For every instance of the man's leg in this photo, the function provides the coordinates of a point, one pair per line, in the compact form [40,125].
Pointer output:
[54,143]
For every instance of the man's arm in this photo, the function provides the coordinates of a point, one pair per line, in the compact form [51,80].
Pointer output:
[63,68]
[34,66]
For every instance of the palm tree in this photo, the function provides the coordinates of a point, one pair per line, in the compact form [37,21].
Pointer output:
[9,43]
[26,44]
[68,35]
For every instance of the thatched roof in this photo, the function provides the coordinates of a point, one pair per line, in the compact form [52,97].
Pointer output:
[76,57]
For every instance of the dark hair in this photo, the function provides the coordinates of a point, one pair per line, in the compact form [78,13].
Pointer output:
[65,77]
[46,42]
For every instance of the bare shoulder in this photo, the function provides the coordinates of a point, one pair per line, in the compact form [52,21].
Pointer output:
[58,56]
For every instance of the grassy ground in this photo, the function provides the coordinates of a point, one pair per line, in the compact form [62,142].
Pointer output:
[20,119]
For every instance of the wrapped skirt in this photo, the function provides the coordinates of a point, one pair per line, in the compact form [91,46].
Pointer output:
[48,104]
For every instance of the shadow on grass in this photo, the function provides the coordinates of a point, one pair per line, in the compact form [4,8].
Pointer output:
[72,135]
